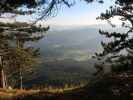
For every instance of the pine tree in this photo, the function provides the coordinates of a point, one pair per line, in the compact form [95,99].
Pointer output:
[14,53]
[119,51]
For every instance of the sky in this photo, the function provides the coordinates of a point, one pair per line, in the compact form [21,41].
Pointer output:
[79,14]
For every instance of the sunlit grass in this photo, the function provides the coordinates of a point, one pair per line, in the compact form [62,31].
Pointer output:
[49,90]
[64,89]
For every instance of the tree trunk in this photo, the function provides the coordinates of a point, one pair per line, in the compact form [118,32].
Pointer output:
[21,79]
[6,80]
[20,44]
[3,79]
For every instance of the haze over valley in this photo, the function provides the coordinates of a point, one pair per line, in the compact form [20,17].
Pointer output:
[67,53]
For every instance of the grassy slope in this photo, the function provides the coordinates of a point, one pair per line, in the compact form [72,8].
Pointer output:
[113,87]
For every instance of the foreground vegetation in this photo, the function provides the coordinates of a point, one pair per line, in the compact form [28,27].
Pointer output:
[114,86]
[42,92]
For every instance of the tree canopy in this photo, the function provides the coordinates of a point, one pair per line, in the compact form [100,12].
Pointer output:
[118,51]
[41,8]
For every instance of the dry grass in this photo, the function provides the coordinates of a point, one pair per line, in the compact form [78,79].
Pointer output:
[6,94]
[16,92]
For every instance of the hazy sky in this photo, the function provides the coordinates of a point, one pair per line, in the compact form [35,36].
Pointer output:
[79,14]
